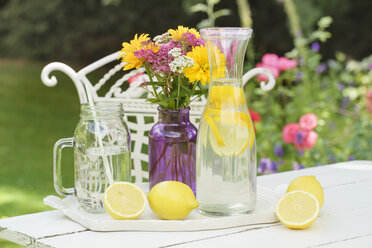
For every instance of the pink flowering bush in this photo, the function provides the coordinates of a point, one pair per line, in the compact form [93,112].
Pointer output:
[308,122]
[301,134]
[320,111]
[275,64]
[369,101]
[289,132]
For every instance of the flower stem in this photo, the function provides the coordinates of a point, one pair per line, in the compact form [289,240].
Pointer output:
[178,92]
[245,15]
[152,82]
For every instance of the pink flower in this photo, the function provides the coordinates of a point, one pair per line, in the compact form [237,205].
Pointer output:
[135,77]
[369,95]
[256,117]
[161,60]
[275,64]
[262,77]
[289,132]
[307,141]
[270,59]
[310,139]
[308,122]
[285,64]
[369,106]
[191,40]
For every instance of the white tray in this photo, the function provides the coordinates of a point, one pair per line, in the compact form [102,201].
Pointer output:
[148,221]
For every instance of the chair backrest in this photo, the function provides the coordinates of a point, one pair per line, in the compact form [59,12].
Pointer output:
[140,114]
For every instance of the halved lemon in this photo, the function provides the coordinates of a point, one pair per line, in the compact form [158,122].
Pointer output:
[124,201]
[297,209]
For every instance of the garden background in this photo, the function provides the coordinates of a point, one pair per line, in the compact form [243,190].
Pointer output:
[331,41]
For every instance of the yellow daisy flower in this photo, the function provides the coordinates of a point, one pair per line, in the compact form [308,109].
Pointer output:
[200,71]
[177,34]
[127,52]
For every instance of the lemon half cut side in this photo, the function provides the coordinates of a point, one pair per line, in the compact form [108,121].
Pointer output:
[297,209]
[124,201]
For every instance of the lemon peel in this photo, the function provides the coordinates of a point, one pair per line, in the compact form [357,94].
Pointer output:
[309,184]
[172,200]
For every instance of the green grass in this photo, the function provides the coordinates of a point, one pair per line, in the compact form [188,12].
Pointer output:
[32,118]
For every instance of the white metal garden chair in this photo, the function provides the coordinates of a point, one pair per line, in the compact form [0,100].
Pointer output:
[140,115]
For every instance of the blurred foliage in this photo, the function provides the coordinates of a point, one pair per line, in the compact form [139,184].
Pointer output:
[84,31]
[334,90]
[212,15]
[87,30]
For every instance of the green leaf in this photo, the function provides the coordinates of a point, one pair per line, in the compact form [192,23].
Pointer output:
[187,101]
[185,87]
[152,100]
[325,22]
[300,42]
[205,23]
[157,83]
[172,104]
[222,12]
[213,2]
[199,8]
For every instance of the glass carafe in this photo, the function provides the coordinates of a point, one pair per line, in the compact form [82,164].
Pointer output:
[101,146]
[226,146]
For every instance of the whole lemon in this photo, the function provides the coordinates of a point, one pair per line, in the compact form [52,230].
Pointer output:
[308,184]
[172,200]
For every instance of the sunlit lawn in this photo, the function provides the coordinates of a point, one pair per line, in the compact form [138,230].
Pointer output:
[32,118]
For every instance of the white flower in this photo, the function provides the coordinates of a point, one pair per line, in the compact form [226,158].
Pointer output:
[162,39]
[180,62]
[175,52]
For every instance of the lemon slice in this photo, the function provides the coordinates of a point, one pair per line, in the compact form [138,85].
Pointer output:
[124,201]
[297,209]
[226,96]
[230,132]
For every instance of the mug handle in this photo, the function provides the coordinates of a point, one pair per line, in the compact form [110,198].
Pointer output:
[57,175]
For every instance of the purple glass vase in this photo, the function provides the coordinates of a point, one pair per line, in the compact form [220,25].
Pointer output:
[172,144]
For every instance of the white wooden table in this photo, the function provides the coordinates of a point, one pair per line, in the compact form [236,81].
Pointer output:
[345,221]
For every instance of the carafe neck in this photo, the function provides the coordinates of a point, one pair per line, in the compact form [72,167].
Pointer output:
[226,52]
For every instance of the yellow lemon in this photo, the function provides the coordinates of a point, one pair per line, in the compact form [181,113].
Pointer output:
[297,209]
[124,201]
[172,200]
[308,184]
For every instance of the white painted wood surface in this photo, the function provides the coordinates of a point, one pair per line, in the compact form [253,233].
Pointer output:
[149,221]
[345,221]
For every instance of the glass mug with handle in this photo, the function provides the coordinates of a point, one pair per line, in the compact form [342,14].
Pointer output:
[101,146]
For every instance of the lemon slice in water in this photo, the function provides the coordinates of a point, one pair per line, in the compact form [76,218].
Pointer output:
[226,96]
[230,132]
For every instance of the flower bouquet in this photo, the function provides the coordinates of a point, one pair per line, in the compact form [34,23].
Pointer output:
[177,65]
